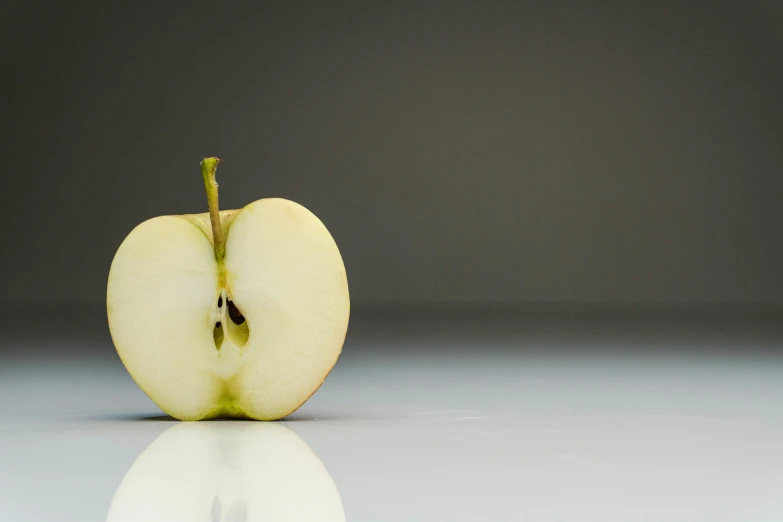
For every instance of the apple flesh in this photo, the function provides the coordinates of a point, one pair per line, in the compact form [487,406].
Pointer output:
[247,328]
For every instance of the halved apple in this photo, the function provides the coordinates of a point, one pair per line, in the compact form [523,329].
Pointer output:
[240,313]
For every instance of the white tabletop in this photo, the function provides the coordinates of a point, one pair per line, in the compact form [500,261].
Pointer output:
[419,421]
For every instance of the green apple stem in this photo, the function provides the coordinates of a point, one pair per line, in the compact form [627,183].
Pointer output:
[208,169]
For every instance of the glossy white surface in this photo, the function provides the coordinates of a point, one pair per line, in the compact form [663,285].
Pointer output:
[481,423]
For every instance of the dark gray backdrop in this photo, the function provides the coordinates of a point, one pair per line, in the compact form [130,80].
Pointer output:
[463,152]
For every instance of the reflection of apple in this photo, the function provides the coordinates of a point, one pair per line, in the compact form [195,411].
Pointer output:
[240,313]
[227,472]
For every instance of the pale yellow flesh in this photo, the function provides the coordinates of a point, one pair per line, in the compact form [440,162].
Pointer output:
[284,273]
[233,471]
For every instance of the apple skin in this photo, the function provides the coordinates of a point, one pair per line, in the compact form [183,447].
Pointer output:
[253,472]
[281,268]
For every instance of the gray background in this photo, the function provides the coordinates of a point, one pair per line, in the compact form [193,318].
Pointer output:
[463,152]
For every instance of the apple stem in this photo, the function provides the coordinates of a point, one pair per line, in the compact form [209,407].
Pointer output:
[208,169]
